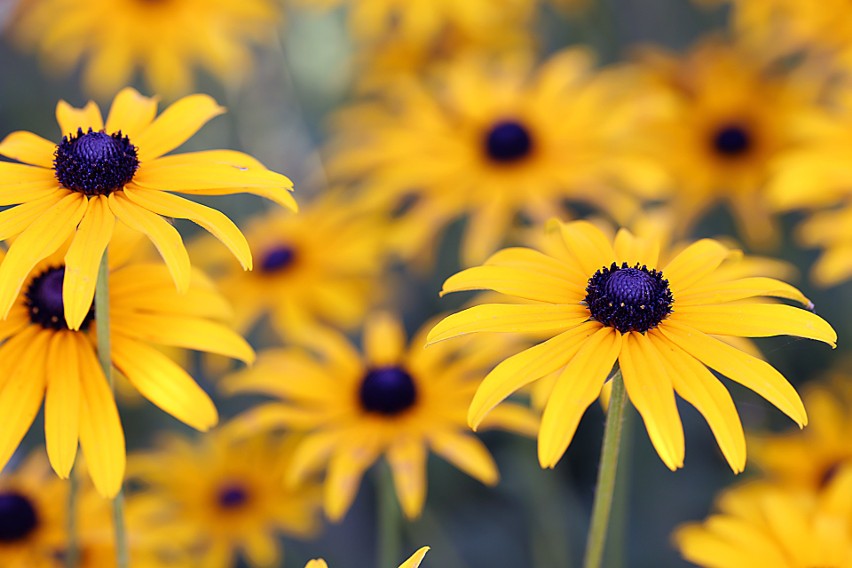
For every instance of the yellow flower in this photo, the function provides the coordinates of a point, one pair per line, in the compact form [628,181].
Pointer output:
[395,400]
[761,524]
[730,117]
[165,39]
[494,141]
[103,172]
[228,495]
[413,562]
[605,303]
[42,359]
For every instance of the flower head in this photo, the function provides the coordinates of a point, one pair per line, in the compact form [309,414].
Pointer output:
[605,304]
[101,172]
[395,401]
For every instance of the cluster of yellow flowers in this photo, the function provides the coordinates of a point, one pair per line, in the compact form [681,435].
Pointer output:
[578,195]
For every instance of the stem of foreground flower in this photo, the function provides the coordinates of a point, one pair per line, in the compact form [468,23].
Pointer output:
[105,356]
[72,550]
[389,521]
[606,474]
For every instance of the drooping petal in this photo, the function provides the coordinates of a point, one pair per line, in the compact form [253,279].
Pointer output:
[694,263]
[214,221]
[176,125]
[407,459]
[62,403]
[467,453]
[83,259]
[277,194]
[130,113]
[577,387]
[43,237]
[164,383]
[343,479]
[14,220]
[384,340]
[261,549]
[162,234]
[510,318]
[516,281]
[311,454]
[70,118]
[28,148]
[588,245]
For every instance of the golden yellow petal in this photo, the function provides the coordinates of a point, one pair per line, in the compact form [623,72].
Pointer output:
[729,543]
[15,219]
[407,459]
[277,194]
[176,125]
[261,548]
[311,455]
[62,403]
[467,453]
[510,417]
[384,340]
[486,229]
[131,113]
[316,563]
[635,250]
[28,148]
[415,559]
[588,245]
[538,262]
[510,318]
[343,479]
[70,118]
[740,289]
[516,281]
[694,263]
[214,176]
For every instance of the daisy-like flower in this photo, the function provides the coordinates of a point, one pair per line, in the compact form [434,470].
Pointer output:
[319,266]
[731,116]
[605,303]
[114,38]
[395,401]
[41,359]
[762,524]
[413,562]
[101,172]
[494,140]
[227,496]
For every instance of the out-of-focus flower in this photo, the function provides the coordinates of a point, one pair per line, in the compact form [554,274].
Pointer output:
[103,172]
[228,495]
[395,400]
[320,266]
[731,116]
[494,140]
[41,359]
[413,562]
[165,39]
[762,524]
[608,304]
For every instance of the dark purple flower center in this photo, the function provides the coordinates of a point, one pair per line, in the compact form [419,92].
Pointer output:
[629,298]
[388,390]
[508,141]
[232,496]
[44,300]
[18,517]
[732,140]
[277,259]
[95,163]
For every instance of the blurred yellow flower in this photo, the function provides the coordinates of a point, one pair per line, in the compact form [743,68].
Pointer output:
[164,39]
[413,562]
[103,172]
[494,140]
[228,495]
[610,303]
[395,400]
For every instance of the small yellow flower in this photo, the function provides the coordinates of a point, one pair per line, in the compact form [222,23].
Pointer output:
[413,562]
[101,172]
[603,303]
[398,401]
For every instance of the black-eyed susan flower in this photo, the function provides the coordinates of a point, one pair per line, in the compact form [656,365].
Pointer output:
[494,141]
[398,401]
[413,561]
[41,359]
[603,303]
[227,496]
[101,172]
[113,39]
[763,524]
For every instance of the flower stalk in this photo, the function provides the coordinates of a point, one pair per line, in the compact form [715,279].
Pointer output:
[389,519]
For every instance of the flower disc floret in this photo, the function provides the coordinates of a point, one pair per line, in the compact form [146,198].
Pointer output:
[629,298]
[388,390]
[508,141]
[44,301]
[18,517]
[732,140]
[95,163]
[277,259]
[232,496]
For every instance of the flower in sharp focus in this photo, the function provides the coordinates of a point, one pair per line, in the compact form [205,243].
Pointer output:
[495,140]
[228,495]
[413,562]
[606,303]
[41,359]
[101,172]
[165,39]
[398,401]
[763,524]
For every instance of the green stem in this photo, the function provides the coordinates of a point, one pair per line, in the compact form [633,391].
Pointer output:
[389,521]
[606,475]
[72,551]
[105,355]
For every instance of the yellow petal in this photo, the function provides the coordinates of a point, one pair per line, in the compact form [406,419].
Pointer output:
[750,372]
[101,434]
[70,118]
[164,382]
[384,340]
[176,125]
[15,219]
[164,236]
[512,418]
[486,229]
[130,113]
[694,263]
[578,386]
[539,262]
[635,250]
[204,158]
[316,563]
[261,548]
[467,453]
[516,281]
[213,176]
[28,148]
[277,194]
[83,259]
[588,245]
[415,559]
[740,289]
[311,454]
[62,403]
[525,367]
[42,238]
[510,318]
[214,221]
[273,416]
[407,459]
[344,477]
